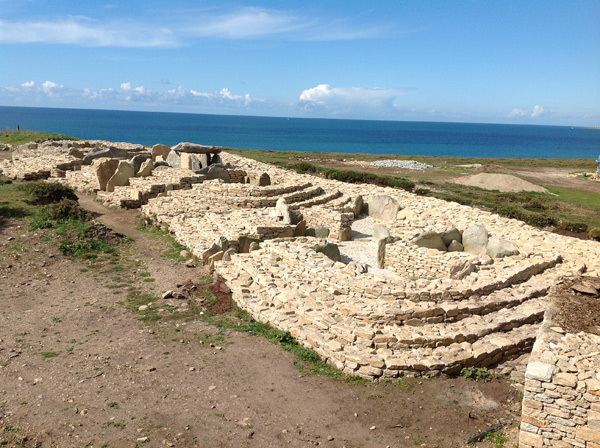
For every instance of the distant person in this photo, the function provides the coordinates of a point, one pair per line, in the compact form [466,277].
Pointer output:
[18,128]
[598,166]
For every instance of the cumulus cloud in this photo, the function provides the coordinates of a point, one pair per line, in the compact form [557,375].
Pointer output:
[28,84]
[241,23]
[50,87]
[350,100]
[535,112]
[126,86]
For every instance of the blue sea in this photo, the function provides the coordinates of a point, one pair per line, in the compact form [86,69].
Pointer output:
[307,134]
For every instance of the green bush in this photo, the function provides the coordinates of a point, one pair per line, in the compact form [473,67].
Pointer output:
[43,193]
[594,233]
[88,249]
[579,227]
[67,209]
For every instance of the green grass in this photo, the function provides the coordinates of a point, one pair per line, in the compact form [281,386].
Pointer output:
[173,246]
[49,355]
[497,439]
[25,136]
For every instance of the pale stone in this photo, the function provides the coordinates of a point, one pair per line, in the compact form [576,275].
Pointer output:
[455,246]
[499,248]
[105,168]
[383,207]
[161,151]
[146,168]
[173,159]
[475,239]
[381,243]
[539,371]
[451,235]
[123,173]
[430,240]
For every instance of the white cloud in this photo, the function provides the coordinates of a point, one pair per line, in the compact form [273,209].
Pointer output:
[535,112]
[241,23]
[350,100]
[28,84]
[126,86]
[198,94]
[50,87]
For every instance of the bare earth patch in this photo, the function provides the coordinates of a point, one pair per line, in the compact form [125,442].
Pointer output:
[500,182]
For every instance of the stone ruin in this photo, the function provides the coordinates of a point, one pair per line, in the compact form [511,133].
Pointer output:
[379,282]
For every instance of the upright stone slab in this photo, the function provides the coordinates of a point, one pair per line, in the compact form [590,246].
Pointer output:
[137,161]
[190,161]
[123,173]
[174,159]
[105,169]
[380,245]
[161,151]
[146,169]
[383,207]
[475,239]
[283,211]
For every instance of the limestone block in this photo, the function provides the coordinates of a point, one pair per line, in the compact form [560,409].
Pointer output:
[318,232]
[174,159]
[190,161]
[528,439]
[283,211]
[358,205]
[137,161]
[380,244]
[475,239]
[451,235]
[499,248]
[96,153]
[380,232]
[540,371]
[104,168]
[455,246]
[123,173]
[431,240]
[161,151]
[345,234]
[330,250]
[262,180]
[460,268]
[146,168]
[383,207]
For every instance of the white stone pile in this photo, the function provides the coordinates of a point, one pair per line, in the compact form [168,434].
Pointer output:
[404,164]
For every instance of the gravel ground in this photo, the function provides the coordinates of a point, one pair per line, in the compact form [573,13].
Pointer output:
[406,164]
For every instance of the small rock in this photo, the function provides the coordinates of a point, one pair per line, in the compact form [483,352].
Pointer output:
[142,307]
[167,294]
[143,439]
[585,288]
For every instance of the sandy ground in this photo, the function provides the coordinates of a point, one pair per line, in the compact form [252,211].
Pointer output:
[499,182]
[78,369]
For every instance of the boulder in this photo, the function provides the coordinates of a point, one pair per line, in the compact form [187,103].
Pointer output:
[500,248]
[380,232]
[460,268]
[228,253]
[431,240]
[451,235]
[475,239]
[173,159]
[383,207]
[217,172]
[137,161]
[123,173]
[158,163]
[215,158]
[254,245]
[105,169]
[300,229]
[190,161]
[111,152]
[318,232]
[358,205]
[161,151]
[260,181]
[245,243]
[146,168]
[380,244]
[212,250]
[345,234]
[282,210]
[455,246]
[330,250]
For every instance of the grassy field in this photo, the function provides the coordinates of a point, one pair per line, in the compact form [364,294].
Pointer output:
[25,136]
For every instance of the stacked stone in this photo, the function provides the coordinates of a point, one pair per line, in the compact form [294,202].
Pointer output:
[358,323]
[35,161]
[561,401]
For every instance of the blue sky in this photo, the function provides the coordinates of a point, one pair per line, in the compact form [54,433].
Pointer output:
[477,61]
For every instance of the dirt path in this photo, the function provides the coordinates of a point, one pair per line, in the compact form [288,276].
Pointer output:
[78,369]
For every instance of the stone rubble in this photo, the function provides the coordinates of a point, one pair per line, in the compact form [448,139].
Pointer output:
[405,164]
[388,307]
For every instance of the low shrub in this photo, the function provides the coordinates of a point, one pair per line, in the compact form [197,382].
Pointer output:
[43,193]
[594,233]
[579,227]
[67,209]
[87,249]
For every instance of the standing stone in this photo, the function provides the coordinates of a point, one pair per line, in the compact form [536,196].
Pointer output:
[218,172]
[381,253]
[214,159]
[345,234]
[499,248]
[460,268]
[137,161]
[261,181]
[121,177]
[358,205]
[383,207]
[146,168]
[173,159]
[451,235]
[300,229]
[161,151]
[190,161]
[282,210]
[105,169]
[475,239]
[430,240]
[204,160]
